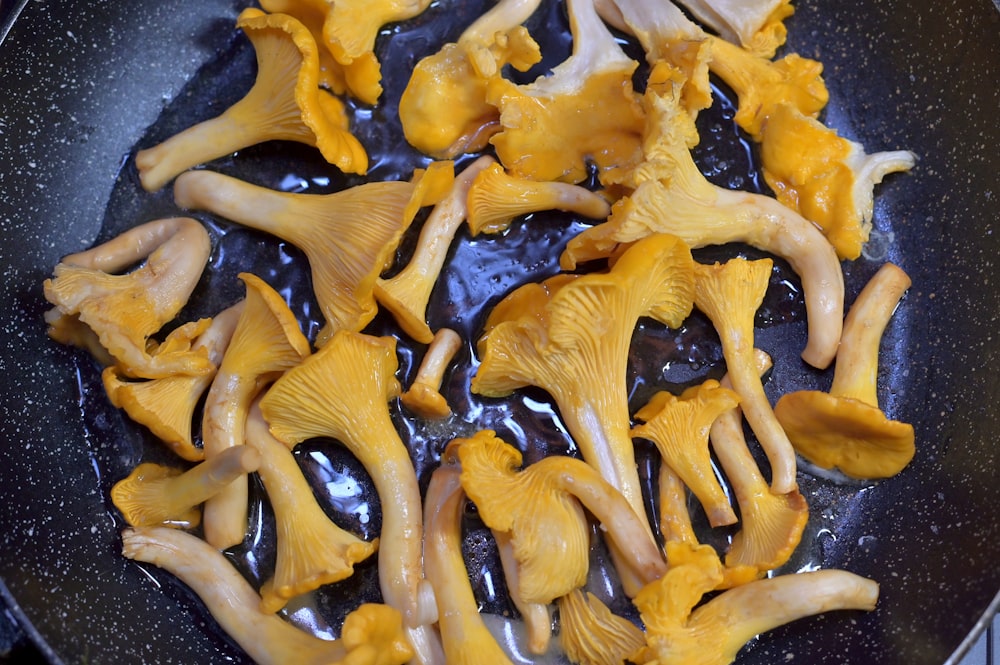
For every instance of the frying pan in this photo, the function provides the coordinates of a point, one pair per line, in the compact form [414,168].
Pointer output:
[83,82]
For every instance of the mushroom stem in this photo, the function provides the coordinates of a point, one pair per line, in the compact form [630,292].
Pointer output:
[856,372]
[536,616]
[424,396]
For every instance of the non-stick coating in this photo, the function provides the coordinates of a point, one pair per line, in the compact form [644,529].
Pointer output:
[81,81]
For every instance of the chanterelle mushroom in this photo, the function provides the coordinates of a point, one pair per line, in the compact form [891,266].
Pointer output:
[124,311]
[845,428]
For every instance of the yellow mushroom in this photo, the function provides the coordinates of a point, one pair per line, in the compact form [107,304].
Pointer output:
[285,103]
[672,196]
[591,634]
[541,508]
[536,616]
[713,633]
[729,295]
[771,524]
[443,109]
[372,634]
[465,638]
[311,549]
[166,405]
[124,311]
[406,294]
[584,112]
[349,237]
[570,336]
[497,197]
[679,427]
[342,391]
[266,342]
[154,495]
[757,26]
[424,395]
[845,428]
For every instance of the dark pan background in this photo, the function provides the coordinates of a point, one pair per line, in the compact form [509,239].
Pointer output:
[79,84]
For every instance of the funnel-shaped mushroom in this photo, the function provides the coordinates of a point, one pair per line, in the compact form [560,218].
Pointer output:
[592,634]
[713,633]
[497,197]
[285,103]
[679,427]
[269,640]
[845,428]
[342,391]
[443,110]
[771,524]
[154,495]
[424,395]
[758,25]
[311,549]
[267,341]
[729,295]
[167,405]
[349,237]
[541,507]
[407,293]
[464,636]
[571,335]
[584,112]
[672,196]
[124,311]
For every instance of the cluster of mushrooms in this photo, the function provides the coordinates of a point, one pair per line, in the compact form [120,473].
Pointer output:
[261,387]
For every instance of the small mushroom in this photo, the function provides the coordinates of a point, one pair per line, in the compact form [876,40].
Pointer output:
[424,396]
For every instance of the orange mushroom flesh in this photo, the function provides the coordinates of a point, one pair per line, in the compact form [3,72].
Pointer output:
[592,634]
[285,103]
[266,342]
[465,638]
[166,406]
[311,549]
[424,395]
[679,427]
[154,495]
[771,524]
[312,14]
[349,237]
[729,295]
[497,197]
[342,391]
[267,638]
[845,428]
[407,293]
[124,311]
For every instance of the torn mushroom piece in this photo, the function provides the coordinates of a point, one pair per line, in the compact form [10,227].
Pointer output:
[167,405]
[154,495]
[424,395]
[285,103]
[269,640]
[124,311]
[465,638]
[349,237]
[343,391]
[845,428]
[266,342]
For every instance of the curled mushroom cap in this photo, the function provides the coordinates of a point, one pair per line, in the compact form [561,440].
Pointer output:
[729,295]
[342,391]
[672,196]
[124,311]
[443,109]
[497,197]
[266,342]
[371,635]
[845,428]
[285,103]
[167,405]
[592,634]
[349,237]
[679,427]
[154,495]
[311,549]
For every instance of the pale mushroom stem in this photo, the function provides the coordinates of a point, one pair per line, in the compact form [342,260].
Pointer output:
[499,18]
[137,243]
[536,617]
[856,373]
[424,396]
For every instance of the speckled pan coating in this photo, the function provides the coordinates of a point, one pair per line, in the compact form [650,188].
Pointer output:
[81,81]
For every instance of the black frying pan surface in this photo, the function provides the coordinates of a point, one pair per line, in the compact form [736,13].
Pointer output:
[83,84]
